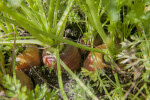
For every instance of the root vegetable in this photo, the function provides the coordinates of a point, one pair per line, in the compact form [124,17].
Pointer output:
[24,79]
[70,56]
[98,60]
[29,58]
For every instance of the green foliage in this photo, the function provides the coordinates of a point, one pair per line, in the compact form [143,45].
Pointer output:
[111,6]
[82,85]
[73,17]
[131,51]
[33,18]
[139,15]
[14,3]
[135,56]
[88,36]
[13,86]
[15,90]
[75,91]
[114,21]
[93,76]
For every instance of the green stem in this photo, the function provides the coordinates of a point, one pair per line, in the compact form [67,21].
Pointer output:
[29,41]
[72,43]
[63,18]
[2,63]
[12,69]
[60,75]
[96,20]
[118,85]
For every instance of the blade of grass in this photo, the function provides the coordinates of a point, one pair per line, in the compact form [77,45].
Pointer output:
[97,3]
[18,38]
[50,14]
[29,13]
[96,20]
[2,27]
[60,75]
[146,89]
[34,16]
[22,38]
[139,92]
[17,16]
[3,36]
[8,25]
[30,41]
[42,13]
[63,18]
[31,3]
[32,30]
[56,13]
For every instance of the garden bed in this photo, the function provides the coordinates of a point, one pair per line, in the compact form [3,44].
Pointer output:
[74,49]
